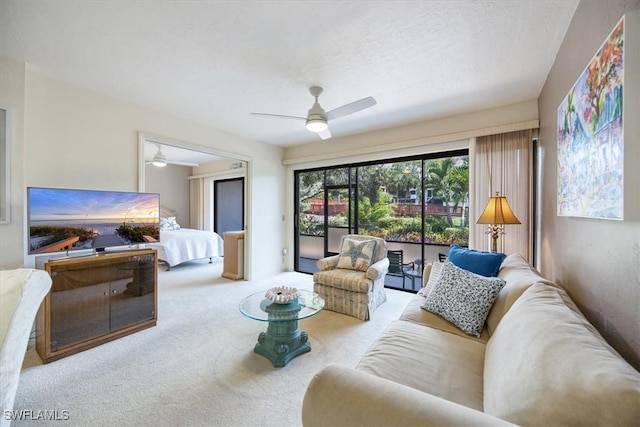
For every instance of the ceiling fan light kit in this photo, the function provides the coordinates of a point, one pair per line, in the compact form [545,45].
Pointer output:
[159,160]
[317,125]
[317,120]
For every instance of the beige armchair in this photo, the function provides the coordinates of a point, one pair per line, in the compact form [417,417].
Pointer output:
[352,282]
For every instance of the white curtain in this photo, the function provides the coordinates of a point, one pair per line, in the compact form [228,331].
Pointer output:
[503,164]
[196,203]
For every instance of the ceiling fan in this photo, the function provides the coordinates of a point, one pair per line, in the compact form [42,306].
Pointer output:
[317,120]
[161,161]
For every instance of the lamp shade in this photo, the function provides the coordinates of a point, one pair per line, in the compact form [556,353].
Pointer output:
[497,211]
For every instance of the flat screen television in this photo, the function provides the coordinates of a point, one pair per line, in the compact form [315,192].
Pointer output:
[72,220]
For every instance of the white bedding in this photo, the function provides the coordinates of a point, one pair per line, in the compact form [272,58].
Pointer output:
[186,244]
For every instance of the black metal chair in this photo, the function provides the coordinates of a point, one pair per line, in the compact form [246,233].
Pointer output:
[442,257]
[398,268]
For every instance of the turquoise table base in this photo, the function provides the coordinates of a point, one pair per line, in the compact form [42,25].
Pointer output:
[280,346]
[283,340]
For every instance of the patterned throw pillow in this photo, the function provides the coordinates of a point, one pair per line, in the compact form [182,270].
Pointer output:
[463,298]
[169,223]
[356,254]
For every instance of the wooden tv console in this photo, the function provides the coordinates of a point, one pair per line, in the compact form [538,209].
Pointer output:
[95,299]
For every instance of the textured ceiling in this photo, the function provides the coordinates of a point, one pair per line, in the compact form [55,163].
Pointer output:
[215,62]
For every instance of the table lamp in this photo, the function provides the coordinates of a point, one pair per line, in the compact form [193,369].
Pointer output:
[496,214]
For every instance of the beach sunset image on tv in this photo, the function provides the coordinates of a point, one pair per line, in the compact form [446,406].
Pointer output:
[64,219]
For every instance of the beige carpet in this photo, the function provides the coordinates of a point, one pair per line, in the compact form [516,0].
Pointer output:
[197,366]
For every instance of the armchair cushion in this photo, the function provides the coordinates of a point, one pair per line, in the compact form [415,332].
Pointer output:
[342,278]
[357,254]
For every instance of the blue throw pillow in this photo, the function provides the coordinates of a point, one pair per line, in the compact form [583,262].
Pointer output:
[483,263]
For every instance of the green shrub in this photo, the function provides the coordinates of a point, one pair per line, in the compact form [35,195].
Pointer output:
[136,233]
[55,233]
[309,226]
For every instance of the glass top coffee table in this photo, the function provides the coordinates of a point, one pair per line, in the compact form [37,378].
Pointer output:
[283,339]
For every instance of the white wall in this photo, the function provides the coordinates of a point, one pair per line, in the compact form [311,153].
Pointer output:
[12,82]
[82,139]
[172,183]
[597,261]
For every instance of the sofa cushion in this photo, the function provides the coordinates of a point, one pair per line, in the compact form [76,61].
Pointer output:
[546,365]
[357,254]
[463,298]
[480,262]
[519,275]
[429,360]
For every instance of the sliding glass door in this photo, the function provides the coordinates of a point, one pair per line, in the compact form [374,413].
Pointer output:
[325,211]
[418,205]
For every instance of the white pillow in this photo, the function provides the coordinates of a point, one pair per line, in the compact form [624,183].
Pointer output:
[434,275]
[357,254]
[463,298]
[169,223]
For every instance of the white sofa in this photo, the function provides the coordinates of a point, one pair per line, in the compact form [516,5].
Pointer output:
[537,362]
[21,293]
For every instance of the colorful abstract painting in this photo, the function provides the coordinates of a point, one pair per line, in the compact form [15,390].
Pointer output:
[590,137]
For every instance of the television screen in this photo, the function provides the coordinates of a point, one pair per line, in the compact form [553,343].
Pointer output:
[71,220]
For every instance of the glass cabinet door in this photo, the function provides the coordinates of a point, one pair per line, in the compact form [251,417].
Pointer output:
[79,305]
[132,296]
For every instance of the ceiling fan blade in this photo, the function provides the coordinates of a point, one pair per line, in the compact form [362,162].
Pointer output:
[351,108]
[279,116]
[325,134]
[193,165]
[169,162]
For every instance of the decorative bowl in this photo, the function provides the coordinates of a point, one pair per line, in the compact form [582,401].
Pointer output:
[282,294]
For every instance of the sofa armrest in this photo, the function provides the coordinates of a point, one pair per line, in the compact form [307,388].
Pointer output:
[22,293]
[348,397]
[328,263]
[378,269]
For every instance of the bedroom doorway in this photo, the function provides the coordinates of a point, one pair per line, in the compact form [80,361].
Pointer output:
[176,193]
[228,205]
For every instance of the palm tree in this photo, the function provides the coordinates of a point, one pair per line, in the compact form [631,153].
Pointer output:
[460,187]
[449,179]
[438,178]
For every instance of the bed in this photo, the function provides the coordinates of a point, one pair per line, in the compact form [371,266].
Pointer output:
[178,245]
